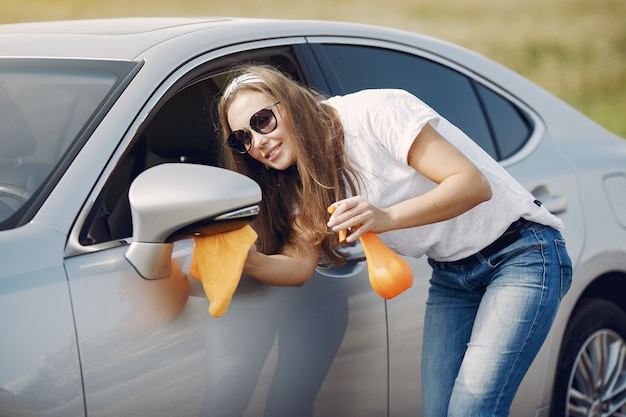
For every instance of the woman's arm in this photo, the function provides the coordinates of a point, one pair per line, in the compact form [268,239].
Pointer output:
[461,186]
[283,269]
[290,267]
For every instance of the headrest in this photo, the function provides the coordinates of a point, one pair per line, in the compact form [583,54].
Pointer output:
[184,126]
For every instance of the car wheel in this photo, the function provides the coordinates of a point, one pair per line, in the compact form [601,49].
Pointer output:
[591,376]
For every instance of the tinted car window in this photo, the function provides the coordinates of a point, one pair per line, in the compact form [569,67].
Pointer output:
[510,126]
[497,125]
[448,92]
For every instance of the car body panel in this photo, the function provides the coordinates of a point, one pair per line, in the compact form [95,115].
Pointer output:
[132,355]
[38,346]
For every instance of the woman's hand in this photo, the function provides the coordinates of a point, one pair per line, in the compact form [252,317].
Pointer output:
[358,216]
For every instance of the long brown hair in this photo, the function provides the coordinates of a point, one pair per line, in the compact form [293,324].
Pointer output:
[320,176]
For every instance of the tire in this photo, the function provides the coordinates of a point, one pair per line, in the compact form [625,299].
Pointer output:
[591,375]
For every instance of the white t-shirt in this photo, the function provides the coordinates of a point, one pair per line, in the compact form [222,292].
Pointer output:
[380,127]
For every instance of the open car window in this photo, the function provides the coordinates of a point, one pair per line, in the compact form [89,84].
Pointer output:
[182,128]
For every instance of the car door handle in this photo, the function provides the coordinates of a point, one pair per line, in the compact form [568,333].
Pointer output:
[355,263]
[554,203]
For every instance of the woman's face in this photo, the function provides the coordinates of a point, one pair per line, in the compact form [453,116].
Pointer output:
[274,149]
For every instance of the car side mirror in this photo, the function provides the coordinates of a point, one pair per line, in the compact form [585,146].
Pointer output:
[170,202]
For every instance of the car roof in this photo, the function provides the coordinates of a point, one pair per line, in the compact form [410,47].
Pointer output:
[130,38]
[121,38]
[167,42]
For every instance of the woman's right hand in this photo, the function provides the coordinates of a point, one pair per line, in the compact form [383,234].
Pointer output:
[359,216]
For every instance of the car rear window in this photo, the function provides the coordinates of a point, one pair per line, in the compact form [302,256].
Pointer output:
[493,122]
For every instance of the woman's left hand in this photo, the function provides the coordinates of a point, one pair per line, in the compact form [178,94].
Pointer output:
[358,216]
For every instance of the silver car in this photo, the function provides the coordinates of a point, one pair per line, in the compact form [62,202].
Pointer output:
[109,165]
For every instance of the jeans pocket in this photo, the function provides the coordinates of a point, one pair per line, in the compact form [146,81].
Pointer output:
[566,266]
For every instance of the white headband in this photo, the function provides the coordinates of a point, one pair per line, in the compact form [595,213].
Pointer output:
[238,81]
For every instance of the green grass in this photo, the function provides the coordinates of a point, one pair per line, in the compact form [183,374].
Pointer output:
[574,48]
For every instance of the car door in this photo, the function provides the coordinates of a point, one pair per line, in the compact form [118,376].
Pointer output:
[149,347]
[503,126]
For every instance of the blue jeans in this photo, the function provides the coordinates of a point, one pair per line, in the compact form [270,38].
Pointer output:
[485,323]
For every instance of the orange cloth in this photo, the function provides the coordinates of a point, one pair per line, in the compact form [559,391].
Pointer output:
[218,261]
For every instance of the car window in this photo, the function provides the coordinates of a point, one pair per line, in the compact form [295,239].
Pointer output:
[183,128]
[510,126]
[46,106]
[489,119]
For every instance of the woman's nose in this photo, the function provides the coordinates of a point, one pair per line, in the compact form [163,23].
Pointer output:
[258,139]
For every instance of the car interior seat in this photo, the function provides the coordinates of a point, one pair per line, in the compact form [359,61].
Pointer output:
[19,176]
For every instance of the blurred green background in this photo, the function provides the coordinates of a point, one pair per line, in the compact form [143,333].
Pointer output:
[574,48]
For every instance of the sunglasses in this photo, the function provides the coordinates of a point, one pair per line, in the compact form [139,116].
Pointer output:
[263,122]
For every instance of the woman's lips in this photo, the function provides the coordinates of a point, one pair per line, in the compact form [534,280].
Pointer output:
[273,153]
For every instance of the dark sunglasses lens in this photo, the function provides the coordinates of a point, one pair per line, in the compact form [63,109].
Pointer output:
[239,141]
[263,121]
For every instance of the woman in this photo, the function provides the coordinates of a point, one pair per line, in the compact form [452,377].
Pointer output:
[389,164]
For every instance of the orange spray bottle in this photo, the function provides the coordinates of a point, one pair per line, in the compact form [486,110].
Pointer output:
[388,272]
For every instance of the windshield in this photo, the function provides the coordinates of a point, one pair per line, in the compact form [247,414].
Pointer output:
[46,108]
